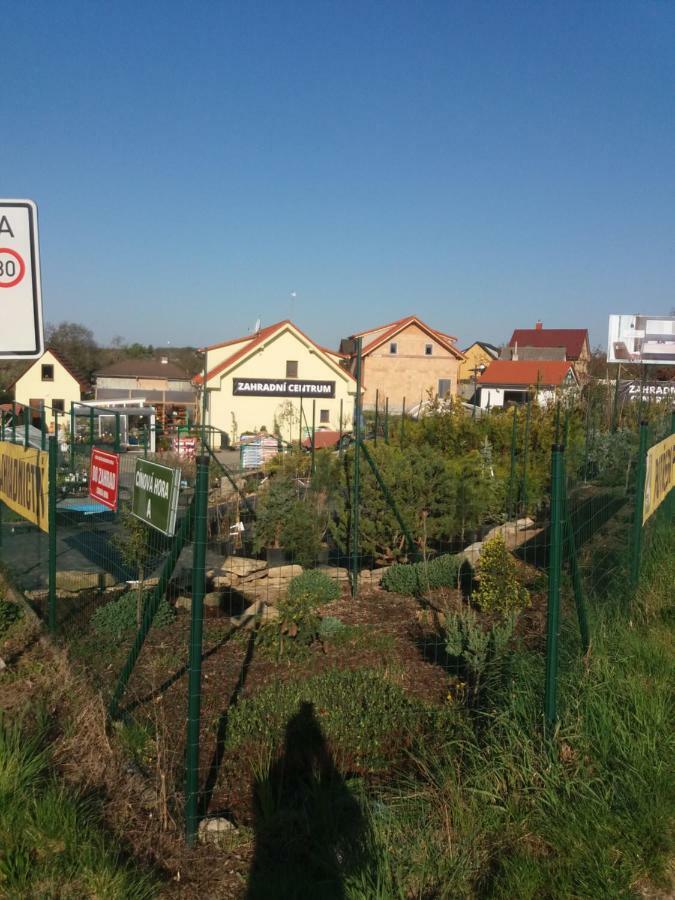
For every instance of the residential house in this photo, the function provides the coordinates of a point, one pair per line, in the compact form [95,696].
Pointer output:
[51,382]
[477,357]
[518,381]
[570,344]
[268,380]
[403,362]
[156,383]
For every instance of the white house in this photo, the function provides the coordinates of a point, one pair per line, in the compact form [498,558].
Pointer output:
[515,381]
[264,380]
[50,382]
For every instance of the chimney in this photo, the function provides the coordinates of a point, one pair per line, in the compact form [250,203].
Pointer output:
[514,351]
[164,360]
[539,325]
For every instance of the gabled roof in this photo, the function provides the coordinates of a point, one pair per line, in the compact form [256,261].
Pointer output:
[489,348]
[67,365]
[524,372]
[387,332]
[572,339]
[256,340]
[143,368]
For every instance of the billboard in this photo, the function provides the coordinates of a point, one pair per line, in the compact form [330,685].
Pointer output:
[24,482]
[641,339]
[647,390]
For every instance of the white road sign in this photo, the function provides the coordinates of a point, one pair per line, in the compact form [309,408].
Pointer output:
[21,335]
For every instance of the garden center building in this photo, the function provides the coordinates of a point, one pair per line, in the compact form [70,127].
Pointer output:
[263,381]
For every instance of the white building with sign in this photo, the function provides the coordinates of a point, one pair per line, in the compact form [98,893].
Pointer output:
[264,380]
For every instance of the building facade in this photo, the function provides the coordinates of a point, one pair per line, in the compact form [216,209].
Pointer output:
[570,344]
[153,382]
[265,381]
[50,382]
[477,357]
[403,362]
[519,381]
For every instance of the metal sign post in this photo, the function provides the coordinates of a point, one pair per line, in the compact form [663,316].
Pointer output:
[21,335]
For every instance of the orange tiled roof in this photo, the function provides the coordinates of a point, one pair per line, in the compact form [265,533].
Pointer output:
[524,372]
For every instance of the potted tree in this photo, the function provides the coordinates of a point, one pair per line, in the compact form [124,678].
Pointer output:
[272,508]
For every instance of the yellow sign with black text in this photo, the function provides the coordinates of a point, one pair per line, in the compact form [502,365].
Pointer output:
[660,475]
[24,482]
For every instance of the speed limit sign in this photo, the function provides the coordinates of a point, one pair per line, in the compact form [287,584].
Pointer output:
[21,335]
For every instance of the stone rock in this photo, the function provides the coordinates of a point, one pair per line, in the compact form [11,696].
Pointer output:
[372,577]
[242,566]
[336,572]
[513,533]
[215,828]
[284,573]
[229,579]
[73,580]
[184,602]
[213,600]
[472,553]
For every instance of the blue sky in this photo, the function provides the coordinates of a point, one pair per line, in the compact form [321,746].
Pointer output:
[479,164]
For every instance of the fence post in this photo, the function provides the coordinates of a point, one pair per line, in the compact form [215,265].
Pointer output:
[14,423]
[377,413]
[554,573]
[91,427]
[51,524]
[356,498]
[43,427]
[300,428]
[636,542]
[512,477]
[313,435]
[116,446]
[195,656]
[72,436]
[26,425]
[402,423]
[526,447]
[386,420]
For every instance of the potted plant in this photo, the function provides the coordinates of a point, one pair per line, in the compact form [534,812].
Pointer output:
[274,503]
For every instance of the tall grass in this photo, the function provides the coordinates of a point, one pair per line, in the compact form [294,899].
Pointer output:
[52,844]
[506,811]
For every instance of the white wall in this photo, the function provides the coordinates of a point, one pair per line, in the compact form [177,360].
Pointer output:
[64,387]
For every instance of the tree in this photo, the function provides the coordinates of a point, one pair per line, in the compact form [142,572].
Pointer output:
[76,343]
[134,542]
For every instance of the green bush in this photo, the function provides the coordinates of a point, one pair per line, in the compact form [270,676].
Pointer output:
[318,584]
[500,588]
[419,578]
[482,654]
[119,616]
[9,614]
[365,718]
[331,628]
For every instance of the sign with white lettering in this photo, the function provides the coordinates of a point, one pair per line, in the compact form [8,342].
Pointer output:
[155,498]
[649,390]
[660,475]
[104,476]
[281,387]
[21,335]
[24,482]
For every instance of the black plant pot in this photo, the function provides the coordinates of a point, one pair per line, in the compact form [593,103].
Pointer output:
[276,556]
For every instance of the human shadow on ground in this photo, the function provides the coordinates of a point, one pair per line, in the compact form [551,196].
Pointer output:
[310,832]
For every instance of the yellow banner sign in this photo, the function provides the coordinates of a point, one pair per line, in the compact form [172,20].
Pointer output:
[660,476]
[24,482]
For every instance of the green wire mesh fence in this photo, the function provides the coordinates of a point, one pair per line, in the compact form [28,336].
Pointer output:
[354,580]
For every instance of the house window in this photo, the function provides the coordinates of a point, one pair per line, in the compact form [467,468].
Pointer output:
[428,349]
[324,416]
[393,348]
[291,368]
[58,405]
[47,373]
[444,386]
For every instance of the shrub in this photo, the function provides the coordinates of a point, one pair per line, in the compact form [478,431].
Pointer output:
[119,616]
[418,578]
[318,584]
[500,588]
[481,654]
[331,628]
[9,614]
[365,718]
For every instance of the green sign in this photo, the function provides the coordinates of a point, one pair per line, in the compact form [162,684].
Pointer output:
[155,498]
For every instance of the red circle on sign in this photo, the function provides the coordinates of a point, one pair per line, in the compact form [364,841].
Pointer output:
[22,268]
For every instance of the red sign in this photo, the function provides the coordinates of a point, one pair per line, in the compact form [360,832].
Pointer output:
[104,476]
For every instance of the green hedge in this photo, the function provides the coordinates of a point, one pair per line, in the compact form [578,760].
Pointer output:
[418,578]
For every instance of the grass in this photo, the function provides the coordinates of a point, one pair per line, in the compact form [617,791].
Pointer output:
[52,843]
[505,811]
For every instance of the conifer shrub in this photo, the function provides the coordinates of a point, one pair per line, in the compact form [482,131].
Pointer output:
[501,590]
[119,616]
[416,579]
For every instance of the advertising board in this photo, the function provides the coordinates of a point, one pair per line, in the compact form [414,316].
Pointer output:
[104,476]
[649,340]
[660,475]
[24,482]
[155,497]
